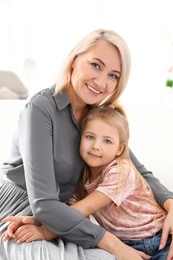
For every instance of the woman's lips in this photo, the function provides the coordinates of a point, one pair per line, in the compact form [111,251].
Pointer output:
[94,90]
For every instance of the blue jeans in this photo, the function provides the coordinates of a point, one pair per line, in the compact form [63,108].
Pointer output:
[150,246]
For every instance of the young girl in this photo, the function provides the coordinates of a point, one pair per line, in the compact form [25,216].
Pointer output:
[112,190]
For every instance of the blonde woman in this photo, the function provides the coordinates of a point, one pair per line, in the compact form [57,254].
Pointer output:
[45,166]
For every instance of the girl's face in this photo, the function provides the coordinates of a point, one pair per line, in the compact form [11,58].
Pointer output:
[100,143]
[95,73]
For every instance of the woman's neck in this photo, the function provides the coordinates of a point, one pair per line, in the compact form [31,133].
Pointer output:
[80,109]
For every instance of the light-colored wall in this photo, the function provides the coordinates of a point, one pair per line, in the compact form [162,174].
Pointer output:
[151,138]
[46,30]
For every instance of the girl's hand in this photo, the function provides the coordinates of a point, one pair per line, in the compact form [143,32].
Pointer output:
[17,221]
[28,233]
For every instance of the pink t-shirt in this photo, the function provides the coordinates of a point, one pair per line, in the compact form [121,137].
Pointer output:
[133,214]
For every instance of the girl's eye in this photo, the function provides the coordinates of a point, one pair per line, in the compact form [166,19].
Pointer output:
[95,65]
[107,141]
[90,137]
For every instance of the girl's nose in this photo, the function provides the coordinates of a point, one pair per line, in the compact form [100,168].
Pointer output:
[96,147]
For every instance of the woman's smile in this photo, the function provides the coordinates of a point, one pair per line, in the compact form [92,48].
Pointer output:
[93,89]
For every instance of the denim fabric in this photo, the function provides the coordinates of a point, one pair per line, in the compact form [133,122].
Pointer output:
[150,246]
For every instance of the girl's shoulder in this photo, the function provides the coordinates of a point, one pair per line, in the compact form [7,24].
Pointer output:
[118,165]
[118,168]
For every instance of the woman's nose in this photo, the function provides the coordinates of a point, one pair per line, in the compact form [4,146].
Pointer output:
[100,80]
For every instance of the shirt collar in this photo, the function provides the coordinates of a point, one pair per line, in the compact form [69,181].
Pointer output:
[61,99]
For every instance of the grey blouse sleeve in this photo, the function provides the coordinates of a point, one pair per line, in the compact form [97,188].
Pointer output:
[35,143]
[161,193]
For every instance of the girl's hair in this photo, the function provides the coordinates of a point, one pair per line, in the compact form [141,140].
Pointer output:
[115,116]
[86,44]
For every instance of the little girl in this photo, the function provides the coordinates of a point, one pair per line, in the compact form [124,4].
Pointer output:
[112,190]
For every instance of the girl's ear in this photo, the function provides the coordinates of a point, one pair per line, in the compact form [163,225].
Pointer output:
[121,149]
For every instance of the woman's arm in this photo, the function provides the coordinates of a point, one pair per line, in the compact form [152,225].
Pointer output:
[116,247]
[45,186]
[161,193]
[109,242]
[23,228]
[168,227]
[164,197]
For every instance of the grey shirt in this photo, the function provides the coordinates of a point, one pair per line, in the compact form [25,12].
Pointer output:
[45,160]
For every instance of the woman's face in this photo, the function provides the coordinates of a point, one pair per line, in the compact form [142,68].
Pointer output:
[95,73]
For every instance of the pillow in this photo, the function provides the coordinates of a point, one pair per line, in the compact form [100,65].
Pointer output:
[11,87]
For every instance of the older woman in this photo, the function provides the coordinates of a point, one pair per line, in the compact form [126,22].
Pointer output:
[45,166]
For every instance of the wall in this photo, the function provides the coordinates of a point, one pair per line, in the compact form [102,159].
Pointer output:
[46,30]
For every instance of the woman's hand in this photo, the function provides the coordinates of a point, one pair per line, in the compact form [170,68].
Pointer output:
[116,247]
[168,228]
[17,221]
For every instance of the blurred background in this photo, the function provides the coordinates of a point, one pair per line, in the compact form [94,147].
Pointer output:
[36,36]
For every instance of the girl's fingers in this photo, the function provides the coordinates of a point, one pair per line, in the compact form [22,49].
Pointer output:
[11,229]
[5,236]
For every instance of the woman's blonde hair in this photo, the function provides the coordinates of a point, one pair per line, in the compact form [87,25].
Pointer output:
[87,43]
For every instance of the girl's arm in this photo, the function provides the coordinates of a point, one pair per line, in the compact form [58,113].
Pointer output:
[93,202]
[109,242]
[27,229]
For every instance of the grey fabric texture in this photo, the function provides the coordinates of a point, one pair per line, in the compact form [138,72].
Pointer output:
[14,201]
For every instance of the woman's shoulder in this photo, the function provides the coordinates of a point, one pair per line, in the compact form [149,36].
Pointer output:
[41,97]
[47,100]
[40,103]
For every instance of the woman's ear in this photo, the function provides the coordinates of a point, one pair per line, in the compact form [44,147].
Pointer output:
[73,62]
[121,149]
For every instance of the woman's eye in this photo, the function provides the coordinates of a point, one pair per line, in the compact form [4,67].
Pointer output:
[114,76]
[95,65]
[107,141]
